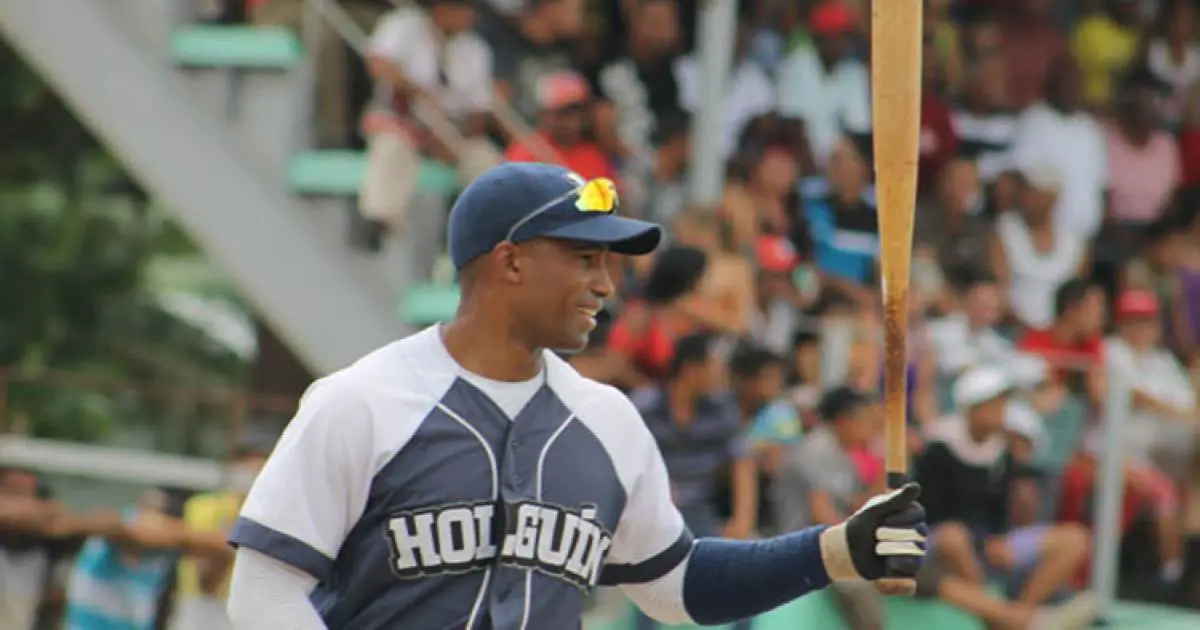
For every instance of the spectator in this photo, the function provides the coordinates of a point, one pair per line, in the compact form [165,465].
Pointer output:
[1173,56]
[661,194]
[984,121]
[37,538]
[431,63]
[819,483]
[1057,134]
[968,337]
[841,215]
[981,503]
[1105,43]
[749,94]
[823,85]
[1073,343]
[334,116]
[697,427]
[643,337]
[1034,255]
[641,87]
[938,141]
[1162,269]
[727,287]
[527,42]
[1031,44]
[1062,417]
[778,302]
[804,377]
[944,45]
[951,224]
[203,582]
[563,99]
[1162,431]
[118,579]
[27,554]
[1143,161]
[772,423]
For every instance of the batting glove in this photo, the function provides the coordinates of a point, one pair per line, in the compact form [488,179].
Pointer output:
[883,542]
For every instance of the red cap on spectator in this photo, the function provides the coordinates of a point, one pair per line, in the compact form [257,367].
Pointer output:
[775,254]
[561,89]
[831,18]
[1136,303]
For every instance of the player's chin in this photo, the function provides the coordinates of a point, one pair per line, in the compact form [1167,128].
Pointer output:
[573,341]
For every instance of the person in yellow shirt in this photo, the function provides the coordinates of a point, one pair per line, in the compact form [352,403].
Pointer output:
[203,575]
[1105,43]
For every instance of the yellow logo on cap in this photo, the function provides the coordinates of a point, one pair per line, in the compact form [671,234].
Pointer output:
[598,195]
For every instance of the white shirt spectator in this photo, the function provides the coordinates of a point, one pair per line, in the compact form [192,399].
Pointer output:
[956,347]
[1075,145]
[1036,276]
[750,95]
[457,71]
[829,103]
[1157,374]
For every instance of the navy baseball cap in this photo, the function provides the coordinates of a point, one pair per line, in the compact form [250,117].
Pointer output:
[519,201]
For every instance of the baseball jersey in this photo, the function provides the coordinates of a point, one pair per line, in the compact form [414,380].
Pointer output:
[422,496]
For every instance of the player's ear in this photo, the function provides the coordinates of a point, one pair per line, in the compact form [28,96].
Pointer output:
[508,261]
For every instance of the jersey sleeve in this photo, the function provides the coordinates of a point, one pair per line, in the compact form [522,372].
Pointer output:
[314,486]
[651,537]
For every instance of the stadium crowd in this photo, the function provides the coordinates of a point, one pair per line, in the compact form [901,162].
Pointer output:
[1057,247]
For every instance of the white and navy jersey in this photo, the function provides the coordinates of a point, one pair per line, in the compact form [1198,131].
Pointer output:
[422,496]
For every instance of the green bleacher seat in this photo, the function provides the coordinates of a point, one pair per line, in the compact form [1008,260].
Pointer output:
[426,304]
[248,47]
[337,173]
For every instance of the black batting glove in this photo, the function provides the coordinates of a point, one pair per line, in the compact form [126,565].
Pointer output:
[883,542]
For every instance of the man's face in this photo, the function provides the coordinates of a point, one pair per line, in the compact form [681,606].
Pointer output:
[960,185]
[775,285]
[984,305]
[832,47]
[657,26]
[768,385]
[561,287]
[847,170]
[566,18]
[18,483]
[1091,313]
[857,425]
[1066,84]
[1037,203]
[705,377]
[454,17]
[988,416]
[1142,333]
[991,83]
[565,124]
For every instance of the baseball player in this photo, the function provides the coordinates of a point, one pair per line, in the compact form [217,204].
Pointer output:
[465,477]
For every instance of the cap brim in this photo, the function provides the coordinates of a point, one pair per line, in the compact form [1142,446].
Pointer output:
[620,234]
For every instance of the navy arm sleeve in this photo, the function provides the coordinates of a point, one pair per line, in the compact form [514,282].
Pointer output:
[726,580]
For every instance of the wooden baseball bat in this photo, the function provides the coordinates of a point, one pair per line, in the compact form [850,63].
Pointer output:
[896,37]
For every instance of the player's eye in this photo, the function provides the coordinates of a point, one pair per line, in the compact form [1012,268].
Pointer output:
[590,260]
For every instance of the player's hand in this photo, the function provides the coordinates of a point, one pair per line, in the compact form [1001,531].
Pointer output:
[883,542]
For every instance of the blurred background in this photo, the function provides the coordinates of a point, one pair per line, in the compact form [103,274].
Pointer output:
[208,202]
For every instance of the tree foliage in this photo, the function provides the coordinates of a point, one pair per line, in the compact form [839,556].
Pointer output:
[76,236]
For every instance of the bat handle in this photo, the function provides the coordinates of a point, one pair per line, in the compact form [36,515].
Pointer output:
[897,569]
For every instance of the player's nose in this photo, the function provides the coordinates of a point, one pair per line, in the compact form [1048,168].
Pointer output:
[602,284]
